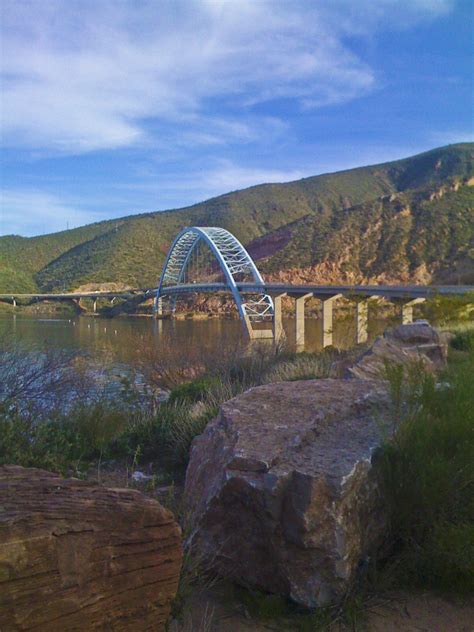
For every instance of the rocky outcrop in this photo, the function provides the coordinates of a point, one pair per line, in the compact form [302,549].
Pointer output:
[281,491]
[416,342]
[78,557]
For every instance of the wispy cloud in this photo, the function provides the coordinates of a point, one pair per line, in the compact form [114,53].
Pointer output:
[34,212]
[83,75]
[230,177]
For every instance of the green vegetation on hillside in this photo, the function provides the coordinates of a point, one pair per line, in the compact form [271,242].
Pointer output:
[392,218]
[22,258]
[393,235]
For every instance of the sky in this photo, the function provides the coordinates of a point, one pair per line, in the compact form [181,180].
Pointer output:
[115,107]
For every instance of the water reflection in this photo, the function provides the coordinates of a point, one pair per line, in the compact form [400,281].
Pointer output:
[119,339]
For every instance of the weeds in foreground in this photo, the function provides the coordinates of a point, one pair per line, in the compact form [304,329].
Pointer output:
[463,340]
[305,366]
[441,309]
[428,479]
[350,615]
[133,426]
[62,443]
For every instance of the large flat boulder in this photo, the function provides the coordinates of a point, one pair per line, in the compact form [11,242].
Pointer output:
[280,489]
[411,343]
[75,556]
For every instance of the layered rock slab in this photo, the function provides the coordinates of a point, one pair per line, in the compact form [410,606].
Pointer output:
[75,556]
[412,343]
[281,492]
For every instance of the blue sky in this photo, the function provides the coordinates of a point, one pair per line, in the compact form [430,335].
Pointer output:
[114,107]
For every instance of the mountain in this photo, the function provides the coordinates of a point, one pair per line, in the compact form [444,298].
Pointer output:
[407,220]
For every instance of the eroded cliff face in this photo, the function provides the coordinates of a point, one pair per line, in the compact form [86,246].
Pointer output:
[381,221]
[419,236]
[333,273]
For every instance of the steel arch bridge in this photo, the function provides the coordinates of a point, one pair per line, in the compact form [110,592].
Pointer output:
[235,263]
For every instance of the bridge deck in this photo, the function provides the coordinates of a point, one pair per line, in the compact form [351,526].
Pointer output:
[387,291]
[384,291]
[72,295]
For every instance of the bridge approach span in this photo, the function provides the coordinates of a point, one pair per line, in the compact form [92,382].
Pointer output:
[390,292]
[256,300]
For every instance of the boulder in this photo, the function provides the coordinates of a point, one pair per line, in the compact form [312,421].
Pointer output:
[76,556]
[405,344]
[280,489]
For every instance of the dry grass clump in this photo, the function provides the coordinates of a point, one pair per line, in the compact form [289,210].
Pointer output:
[302,367]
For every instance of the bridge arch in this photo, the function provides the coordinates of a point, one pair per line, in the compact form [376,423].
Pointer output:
[234,260]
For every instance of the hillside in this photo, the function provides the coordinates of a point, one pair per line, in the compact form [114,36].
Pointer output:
[411,219]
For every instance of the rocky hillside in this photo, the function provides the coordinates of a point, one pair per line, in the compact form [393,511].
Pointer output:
[408,220]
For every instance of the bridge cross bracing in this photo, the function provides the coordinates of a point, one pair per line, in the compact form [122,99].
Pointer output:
[236,264]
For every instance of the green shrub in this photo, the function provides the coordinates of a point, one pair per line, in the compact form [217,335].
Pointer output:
[44,445]
[463,340]
[442,309]
[428,478]
[194,391]
[164,437]
[63,442]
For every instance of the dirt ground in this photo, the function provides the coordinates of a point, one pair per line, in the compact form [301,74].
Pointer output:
[211,609]
[208,611]
[422,613]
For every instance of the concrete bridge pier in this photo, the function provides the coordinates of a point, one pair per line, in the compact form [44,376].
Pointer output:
[158,306]
[300,302]
[14,301]
[362,318]
[362,321]
[278,331]
[327,315]
[94,307]
[407,309]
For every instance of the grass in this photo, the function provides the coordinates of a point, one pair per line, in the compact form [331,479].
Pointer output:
[426,469]
[304,366]
[463,340]
[427,473]
[270,609]
[131,427]
[63,443]
[70,443]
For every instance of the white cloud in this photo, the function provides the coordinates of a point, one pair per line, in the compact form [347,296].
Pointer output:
[219,177]
[81,75]
[34,212]
[230,177]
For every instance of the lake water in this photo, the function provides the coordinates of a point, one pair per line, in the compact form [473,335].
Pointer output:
[118,339]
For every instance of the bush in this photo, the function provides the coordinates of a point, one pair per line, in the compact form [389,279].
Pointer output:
[194,391]
[165,436]
[64,443]
[442,309]
[133,425]
[428,478]
[463,340]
